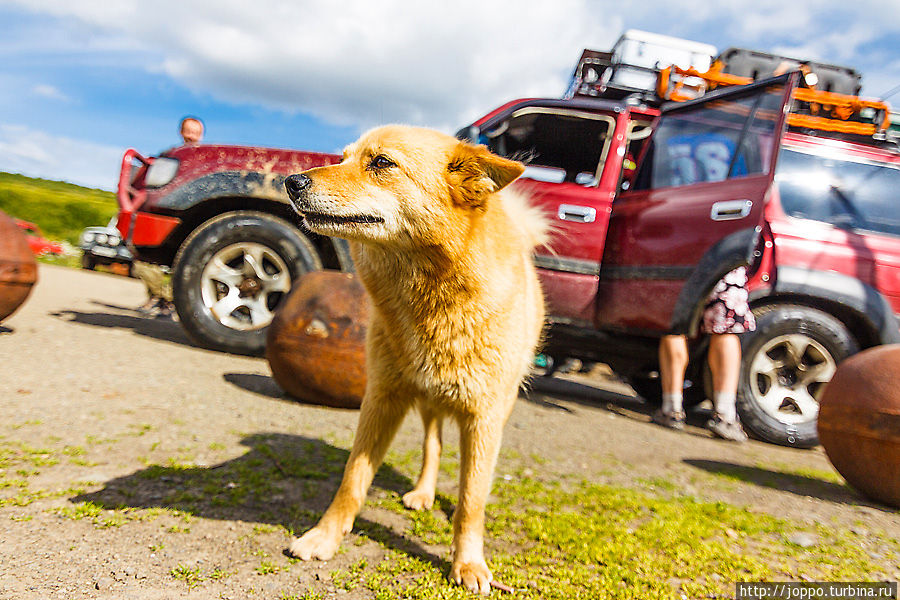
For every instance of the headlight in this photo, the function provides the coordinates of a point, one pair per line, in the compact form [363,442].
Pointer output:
[101,238]
[161,172]
[87,238]
[112,240]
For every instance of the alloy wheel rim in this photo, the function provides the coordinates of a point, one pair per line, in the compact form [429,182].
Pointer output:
[243,284]
[787,376]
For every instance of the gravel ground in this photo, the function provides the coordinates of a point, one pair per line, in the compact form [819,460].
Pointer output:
[104,408]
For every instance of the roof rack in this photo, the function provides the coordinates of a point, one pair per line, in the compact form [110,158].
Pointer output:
[812,109]
[629,70]
[827,100]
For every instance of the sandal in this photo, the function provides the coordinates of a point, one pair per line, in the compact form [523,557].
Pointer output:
[673,420]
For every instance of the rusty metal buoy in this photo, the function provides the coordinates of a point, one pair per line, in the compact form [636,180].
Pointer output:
[18,269]
[316,341]
[859,422]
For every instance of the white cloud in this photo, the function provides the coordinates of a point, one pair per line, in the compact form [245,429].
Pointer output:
[358,61]
[48,91]
[440,64]
[40,154]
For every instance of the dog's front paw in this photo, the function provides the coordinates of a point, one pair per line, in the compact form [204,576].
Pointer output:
[316,543]
[418,499]
[474,576]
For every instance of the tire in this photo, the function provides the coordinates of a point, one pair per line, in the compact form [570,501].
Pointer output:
[232,273]
[87,262]
[786,363]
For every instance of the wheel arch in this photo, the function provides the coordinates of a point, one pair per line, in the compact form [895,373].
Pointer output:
[334,252]
[207,197]
[860,307]
[727,254]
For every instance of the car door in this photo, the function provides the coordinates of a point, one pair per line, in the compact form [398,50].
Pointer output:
[565,147]
[695,209]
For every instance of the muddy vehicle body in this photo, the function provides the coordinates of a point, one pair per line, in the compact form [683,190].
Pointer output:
[219,217]
[719,182]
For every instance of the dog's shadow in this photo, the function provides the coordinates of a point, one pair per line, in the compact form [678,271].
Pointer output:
[283,480]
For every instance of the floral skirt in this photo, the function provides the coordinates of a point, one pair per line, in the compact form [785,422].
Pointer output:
[727,308]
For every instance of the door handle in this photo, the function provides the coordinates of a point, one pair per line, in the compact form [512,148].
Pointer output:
[729,210]
[578,214]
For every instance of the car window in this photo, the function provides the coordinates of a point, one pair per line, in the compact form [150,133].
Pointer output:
[714,141]
[556,145]
[635,138]
[855,195]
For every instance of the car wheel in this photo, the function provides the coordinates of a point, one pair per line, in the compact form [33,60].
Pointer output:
[231,275]
[87,262]
[785,365]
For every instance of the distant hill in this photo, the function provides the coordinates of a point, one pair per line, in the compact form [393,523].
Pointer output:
[60,209]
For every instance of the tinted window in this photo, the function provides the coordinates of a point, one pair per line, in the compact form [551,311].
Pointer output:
[555,145]
[843,193]
[717,140]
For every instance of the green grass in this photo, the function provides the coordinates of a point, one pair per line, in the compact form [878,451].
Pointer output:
[192,576]
[61,210]
[583,540]
[549,538]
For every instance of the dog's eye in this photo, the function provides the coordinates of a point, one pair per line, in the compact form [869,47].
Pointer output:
[382,162]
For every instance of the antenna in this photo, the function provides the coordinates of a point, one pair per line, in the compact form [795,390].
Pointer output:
[891,92]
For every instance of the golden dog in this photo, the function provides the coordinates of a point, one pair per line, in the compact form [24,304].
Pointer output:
[457,313]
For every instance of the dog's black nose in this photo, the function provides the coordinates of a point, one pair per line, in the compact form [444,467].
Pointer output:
[296,185]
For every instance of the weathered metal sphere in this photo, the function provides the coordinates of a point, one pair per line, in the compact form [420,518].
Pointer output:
[316,341]
[18,269]
[859,422]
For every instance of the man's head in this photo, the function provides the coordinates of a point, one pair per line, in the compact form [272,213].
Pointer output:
[191,130]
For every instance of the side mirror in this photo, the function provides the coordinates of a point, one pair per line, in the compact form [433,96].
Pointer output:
[469,134]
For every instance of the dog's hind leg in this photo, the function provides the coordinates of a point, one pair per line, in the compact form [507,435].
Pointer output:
[380,416]
[479,445]
[422,495]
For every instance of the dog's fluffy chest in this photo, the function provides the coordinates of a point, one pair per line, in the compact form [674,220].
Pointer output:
[441,333]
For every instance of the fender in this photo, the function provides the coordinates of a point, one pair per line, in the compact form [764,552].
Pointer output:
[727,254]
[249,184]
[848,291]
[225,184]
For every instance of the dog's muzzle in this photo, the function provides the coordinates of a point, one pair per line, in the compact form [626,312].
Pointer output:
[296,186]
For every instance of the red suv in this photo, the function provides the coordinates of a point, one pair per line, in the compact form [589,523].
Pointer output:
[220,218]
[636,250]
[718,185]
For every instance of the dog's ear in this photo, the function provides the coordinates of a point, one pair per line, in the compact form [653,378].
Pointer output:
[474,173]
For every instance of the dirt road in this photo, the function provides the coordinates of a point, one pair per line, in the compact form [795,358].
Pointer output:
[134,464]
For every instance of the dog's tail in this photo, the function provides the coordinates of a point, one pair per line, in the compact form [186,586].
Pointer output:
[533,222]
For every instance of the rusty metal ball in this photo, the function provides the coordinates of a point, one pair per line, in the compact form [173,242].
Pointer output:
[859,422]
[316,341]
[18,269]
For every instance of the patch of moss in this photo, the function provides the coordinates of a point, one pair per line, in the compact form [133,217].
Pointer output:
[561,540]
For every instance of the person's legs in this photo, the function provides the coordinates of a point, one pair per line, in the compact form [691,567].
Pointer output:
[725,366]
[727,314]
[673,360]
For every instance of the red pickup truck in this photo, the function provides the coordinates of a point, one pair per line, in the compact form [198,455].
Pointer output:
[652,206]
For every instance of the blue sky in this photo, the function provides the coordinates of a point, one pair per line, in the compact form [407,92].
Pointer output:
[82,80]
